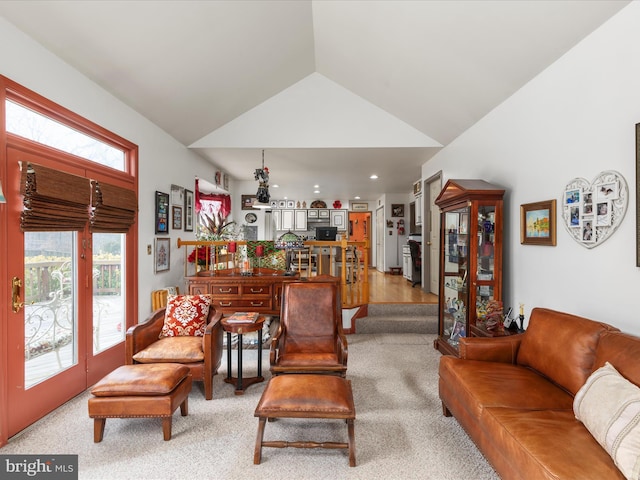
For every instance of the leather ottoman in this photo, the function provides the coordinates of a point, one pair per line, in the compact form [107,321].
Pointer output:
[144,390]
[306,396]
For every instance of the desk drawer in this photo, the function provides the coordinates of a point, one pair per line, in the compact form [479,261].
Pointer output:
[217,289]
[256,304]
[256,290]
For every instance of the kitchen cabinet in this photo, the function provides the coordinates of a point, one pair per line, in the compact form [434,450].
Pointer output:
[300,220]
[288,219]
[471,227]
[339,219]
[276,216]
[407,267]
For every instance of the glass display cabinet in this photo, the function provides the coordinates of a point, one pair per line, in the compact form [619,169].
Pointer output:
[470,257]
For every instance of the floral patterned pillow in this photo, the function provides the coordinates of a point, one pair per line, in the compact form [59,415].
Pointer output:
[186,315]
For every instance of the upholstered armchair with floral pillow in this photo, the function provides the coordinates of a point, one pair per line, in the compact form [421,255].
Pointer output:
[187,331]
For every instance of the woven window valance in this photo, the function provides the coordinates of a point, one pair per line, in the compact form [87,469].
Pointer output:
[114,208]
[53,200]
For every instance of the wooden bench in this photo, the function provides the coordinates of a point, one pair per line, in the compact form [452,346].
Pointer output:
[306,396]
[144,390]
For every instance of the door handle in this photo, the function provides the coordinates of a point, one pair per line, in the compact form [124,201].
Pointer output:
[16,283]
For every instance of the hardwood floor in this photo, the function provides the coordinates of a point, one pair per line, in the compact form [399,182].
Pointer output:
[386,288]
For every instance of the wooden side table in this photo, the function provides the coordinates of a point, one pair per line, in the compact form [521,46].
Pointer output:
[240,329]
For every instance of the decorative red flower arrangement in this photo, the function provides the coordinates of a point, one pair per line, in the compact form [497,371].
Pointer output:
[202,256]
[337,204]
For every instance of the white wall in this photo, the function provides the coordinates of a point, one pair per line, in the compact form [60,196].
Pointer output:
[163,161]
[576,119]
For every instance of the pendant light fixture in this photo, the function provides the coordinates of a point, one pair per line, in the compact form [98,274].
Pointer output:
[262,196]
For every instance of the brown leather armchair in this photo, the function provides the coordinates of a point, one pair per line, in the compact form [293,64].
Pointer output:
[202,355]
[309,338]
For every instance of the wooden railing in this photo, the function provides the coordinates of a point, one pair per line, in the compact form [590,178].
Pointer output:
[344,259]
[43,279]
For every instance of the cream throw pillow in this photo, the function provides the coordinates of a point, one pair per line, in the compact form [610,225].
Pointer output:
[609,406]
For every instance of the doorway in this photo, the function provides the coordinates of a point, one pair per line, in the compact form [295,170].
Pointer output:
[433,186]
[360,230]
[69,274]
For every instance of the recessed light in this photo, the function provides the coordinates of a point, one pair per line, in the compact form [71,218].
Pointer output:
[374,177]
[316,191]
[357,197]
[316,186]
[275,186]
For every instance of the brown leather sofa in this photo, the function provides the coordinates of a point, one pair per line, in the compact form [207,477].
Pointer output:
[514,395]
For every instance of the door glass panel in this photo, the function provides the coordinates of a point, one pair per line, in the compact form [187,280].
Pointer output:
[49,293]
[108,290]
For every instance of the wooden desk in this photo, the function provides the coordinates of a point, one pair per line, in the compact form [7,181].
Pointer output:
[233,292]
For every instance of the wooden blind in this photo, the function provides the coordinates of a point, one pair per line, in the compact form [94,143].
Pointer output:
[53,200]
[114,208]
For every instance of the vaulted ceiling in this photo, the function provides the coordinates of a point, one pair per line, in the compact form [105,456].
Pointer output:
[333,90]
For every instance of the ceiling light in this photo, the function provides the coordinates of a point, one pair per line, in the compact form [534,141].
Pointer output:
[357,197]
[316,186]
[262,196]
[316,191]
[374,177]
[275,185]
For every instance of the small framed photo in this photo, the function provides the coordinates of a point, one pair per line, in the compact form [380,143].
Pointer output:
[274,203]
[177,195]
[607,191]
[225,182]
[176,215]
[248,201]
[291,204]
[572,197]
[538,223]
[574,216]
[162,257]
[282,204]
[587,203]
[603,213]
[162,212]
[188,211]
[587,229]
[397,210]
[359,206]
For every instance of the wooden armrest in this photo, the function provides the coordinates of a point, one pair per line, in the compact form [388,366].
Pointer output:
[490,349]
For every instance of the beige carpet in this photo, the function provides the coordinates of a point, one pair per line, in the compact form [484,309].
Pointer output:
[400,430]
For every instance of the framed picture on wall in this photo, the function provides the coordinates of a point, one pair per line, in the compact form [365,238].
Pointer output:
[188,211]
[538,222]
[397,210]
[248,201]
[162,257]
[162,212]
[176,215]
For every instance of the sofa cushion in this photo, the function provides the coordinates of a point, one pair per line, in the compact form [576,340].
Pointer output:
[479,384]
[172,349]
[561,346]
[186,315]
[544,444]
[609,406]
[622,350]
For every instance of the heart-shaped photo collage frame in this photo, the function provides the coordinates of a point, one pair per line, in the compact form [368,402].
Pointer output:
[592,211]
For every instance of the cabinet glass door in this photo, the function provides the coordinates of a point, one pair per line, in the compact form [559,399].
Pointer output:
[485,281]
[455,272]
